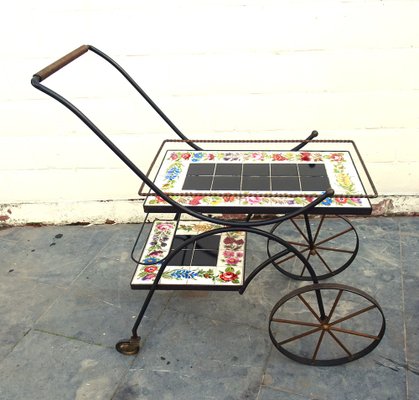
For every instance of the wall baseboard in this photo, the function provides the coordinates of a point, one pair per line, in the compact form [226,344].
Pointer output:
[130,211]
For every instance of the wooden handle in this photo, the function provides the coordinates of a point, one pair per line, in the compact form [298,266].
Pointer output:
[62,62]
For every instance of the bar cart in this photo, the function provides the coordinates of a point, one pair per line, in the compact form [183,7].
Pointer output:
[197,248]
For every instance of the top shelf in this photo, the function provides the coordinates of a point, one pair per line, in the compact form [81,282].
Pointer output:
[259,181]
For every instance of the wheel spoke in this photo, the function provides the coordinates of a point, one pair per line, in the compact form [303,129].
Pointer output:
[332,249]
[332,310]
[318,228]
[309,307]
[323,261]
[340,343]
[318,346]
[299,230]
[355,314]
[297,243]
[335,236]
[304,266]
[301,335]
[290,257]
[294,322]
[356,333]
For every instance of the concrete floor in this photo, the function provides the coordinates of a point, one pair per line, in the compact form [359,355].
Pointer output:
[65,301]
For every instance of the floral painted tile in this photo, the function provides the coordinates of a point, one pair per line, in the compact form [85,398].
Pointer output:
[246,193]
[229,256]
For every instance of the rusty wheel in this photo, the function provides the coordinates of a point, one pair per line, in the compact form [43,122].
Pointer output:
[352,326]
[330,244]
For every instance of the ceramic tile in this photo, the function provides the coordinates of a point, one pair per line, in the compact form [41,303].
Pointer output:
[228,169]
[214,259]
[195,167]
[228,183]
[312,169]
[285,183]
[284,170]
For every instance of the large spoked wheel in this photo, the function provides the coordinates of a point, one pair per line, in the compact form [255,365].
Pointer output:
[330,244]
[352,326]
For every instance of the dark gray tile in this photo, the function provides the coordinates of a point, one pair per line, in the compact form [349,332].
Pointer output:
[409,225]
[284,170]
[256,170]
[222,382]
[91,317]
[228,169]
[252,308]
[201,169]
[193,182]
[44,366]
[371,378]
[56,255]
[22,302]
[285,183]
[314,183]
[377,227]
[413,381]
[180,342]
[268,393]
[256,183]
[226,183]
[312,170]
[410,255]
[411,299]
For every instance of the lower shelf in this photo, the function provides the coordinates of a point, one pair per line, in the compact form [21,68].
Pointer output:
[215,262]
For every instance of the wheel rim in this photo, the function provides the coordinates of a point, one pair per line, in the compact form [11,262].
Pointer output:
[352,327]
[334,246]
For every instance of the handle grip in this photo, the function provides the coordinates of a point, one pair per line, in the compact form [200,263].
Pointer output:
[62,62]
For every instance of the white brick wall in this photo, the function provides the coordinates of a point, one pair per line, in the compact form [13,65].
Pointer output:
[259,68]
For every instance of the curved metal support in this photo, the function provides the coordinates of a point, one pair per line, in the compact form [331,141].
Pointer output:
[138,238]
[62,62]
[157,190]
[261,267]
[165,261]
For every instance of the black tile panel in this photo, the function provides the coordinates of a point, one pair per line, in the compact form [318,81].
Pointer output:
[226,183]
[256,169]
[312,170]
[228,169]
[254,183]
[196,182]
[201,169]
[285,183]
[314,183]
[284,170]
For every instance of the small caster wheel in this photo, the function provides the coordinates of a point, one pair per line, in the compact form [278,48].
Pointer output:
[128,347]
